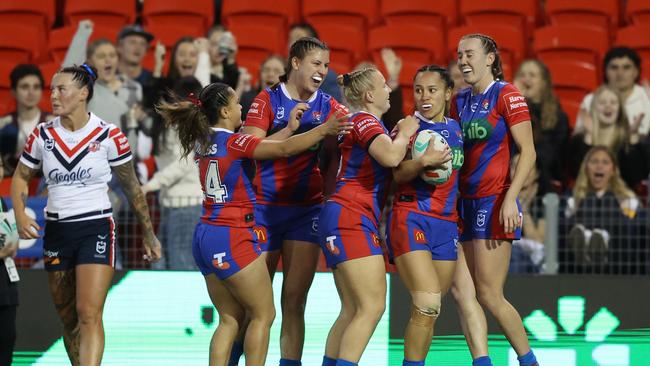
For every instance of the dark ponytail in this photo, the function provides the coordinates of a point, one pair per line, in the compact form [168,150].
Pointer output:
[299,49]
[490,45]
[194,116]
[83,75]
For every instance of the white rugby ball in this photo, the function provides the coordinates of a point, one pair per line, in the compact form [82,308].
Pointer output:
[8,231]
[422,141]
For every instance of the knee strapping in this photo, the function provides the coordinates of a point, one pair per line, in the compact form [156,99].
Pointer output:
[426,307]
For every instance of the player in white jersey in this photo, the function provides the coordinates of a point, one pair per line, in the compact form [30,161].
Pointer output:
[77,152]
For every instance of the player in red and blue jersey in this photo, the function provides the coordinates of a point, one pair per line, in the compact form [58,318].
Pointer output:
[290,191]
[348,229]
[423,230]
[495,121]
[226,245]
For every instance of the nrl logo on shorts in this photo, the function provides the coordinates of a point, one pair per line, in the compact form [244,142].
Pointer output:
[49,145]
[100,247]
[480,219]
[314,224]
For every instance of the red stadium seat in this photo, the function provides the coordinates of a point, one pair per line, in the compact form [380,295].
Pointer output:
[523,13]
[256,42]
[20,43]
[347,47]
[571,42]
[360,14]
[112,14]
[60,39]
[48,70]
[509,39]
[636,37]
[600,13]
[39,13]
[638,11]
[194,15]
[7,101]
[571,108]
[444,15]
[572,80]
[282,14]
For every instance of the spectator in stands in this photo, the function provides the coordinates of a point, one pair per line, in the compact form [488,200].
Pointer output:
[329,85]
[270,72]
[27,89]
[550,123]
[622,70]
[132,44]
[456,76]
[601,206]
[180,196]
[609,127]
[223,54]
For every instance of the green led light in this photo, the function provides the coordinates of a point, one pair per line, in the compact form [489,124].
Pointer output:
[601,325]
[541,326]
[571,313]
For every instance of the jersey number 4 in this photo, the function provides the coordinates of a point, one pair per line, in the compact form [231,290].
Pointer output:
[213,187]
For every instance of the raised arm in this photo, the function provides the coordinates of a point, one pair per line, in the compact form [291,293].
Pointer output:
[126,175]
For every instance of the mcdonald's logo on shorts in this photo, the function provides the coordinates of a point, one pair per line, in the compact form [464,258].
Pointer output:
[375,240]
[419,236]
[260,232]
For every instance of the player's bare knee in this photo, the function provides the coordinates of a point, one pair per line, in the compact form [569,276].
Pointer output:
[426,307]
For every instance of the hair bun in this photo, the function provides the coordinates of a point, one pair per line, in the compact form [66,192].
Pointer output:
[91,71]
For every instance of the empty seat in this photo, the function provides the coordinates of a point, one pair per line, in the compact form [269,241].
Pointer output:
[523,13]
[571,42]
[255,43]
[359,14]
[636,37]
[413,43]
[7,101]
[39,13]
[441,16]
[20,43]
[638,11]
[572,80]
[112,14]
[282,14]
[601,13]
[347,48]
[197,14]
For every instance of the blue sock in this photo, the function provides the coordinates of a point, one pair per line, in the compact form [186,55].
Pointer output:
[412,363]
[287,362]
[235,353]
[342,362]
[528,359]
[328,361]
[482,361]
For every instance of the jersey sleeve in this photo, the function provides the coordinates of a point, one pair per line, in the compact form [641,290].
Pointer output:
[242,145]
[260,113]
[33,151]
[512,105]
[366,128]
[336,107]
[119,151]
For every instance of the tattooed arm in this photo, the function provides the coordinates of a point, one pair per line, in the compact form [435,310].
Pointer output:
[126,174]
[27,227]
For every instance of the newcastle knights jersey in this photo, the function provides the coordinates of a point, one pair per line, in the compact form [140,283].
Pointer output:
[225,172]
[76,166]
[486,119]
[435,200]
[297,179]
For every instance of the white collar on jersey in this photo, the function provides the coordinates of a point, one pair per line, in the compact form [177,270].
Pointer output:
[218,129]
[286,94]
[422,118]
[486,89]
[92,119]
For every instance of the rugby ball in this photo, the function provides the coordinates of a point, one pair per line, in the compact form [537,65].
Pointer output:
[422,141]
[8,231]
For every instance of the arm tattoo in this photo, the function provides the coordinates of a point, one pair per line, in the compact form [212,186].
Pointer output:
[126,174]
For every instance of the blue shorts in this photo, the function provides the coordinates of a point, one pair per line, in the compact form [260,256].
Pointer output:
[67,244]
[223,250]
[345,235]
[480,219]
[408,231]
[287,223]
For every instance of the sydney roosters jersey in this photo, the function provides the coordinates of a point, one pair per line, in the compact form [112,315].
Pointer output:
[294,180]
[225,173]
[435,200]
[76,166]
[486,120]
[361,183]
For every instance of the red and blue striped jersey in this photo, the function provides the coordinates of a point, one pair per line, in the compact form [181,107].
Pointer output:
[294,180]
[486,120]
[435,200]
[361,183]
[225,172]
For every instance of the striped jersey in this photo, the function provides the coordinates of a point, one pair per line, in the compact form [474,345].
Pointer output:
[435,200]
[362,183]
[225,172]
[486,119]
[76,166]
[297,179]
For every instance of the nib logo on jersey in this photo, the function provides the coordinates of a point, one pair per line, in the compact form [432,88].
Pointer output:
[478,130]
[57,176]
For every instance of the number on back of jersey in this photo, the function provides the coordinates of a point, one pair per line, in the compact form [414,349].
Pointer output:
[213,187]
